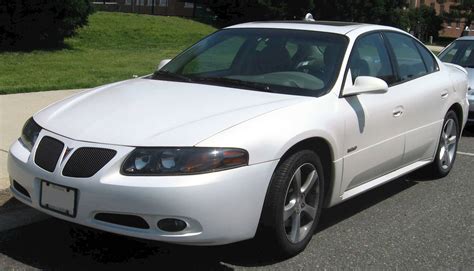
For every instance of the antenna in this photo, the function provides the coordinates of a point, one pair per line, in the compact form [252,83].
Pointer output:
[309,18]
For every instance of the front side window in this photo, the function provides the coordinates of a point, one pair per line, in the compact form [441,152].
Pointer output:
[277,60]
[459,52]
[407,57]
[369,57]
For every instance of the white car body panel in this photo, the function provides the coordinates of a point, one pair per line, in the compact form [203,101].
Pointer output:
[369,145]
[137,112]
[205,201]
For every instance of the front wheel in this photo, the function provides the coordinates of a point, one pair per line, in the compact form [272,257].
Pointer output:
[293,203]
[447,147]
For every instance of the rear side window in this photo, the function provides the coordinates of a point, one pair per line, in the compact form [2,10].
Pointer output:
[409,60]
[430,62]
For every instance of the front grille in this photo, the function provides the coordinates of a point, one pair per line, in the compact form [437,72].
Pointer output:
[123,220]
[48,152]
[85,162]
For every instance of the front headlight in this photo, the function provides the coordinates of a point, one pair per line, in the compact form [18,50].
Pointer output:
[29,134]
[182,161]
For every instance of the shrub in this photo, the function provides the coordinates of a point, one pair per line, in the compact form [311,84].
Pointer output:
[33,24]
[230,12]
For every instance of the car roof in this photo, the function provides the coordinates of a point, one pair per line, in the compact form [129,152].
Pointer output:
[343,28]
[466,38]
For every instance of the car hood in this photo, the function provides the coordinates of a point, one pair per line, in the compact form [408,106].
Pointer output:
[145,112]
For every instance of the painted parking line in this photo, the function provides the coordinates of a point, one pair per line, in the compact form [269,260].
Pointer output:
[466,153]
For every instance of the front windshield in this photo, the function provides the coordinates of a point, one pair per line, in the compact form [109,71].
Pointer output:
[275,60]
[459,52]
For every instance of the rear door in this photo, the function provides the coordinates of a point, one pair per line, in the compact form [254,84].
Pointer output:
[423,90]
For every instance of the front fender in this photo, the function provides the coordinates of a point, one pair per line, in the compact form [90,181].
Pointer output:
[269,136]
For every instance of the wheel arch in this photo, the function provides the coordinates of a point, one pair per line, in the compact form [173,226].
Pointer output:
[457,108]
[325,151]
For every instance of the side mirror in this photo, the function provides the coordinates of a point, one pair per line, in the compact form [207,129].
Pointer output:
[365,84]
[162,64]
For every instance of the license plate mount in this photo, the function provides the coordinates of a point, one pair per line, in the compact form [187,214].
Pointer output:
[58,198]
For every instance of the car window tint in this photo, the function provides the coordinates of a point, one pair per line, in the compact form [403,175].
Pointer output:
[292,48]
[428,58]
[459,52]
[296,62]
[449,53]
[370,58]
[217,58]
[467,57]
[409,61]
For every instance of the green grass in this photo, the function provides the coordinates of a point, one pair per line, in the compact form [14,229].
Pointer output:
[114,46]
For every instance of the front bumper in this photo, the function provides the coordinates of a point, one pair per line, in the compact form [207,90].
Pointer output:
[218,208]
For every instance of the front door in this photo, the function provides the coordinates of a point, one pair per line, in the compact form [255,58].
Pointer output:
[374,135]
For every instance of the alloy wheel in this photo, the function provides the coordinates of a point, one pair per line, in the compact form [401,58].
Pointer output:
[448,143]
[301,203]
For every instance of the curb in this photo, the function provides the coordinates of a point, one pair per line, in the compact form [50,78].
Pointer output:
[14,214]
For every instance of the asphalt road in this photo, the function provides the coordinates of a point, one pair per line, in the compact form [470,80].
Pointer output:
[411,223]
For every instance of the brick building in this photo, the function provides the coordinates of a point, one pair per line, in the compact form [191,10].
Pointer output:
[452,29]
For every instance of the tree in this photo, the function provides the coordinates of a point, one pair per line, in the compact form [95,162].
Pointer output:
[230,12]
[424,22]
[465,10]
[33,24]
[372,11]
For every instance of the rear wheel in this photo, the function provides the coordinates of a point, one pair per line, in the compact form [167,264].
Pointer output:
[447,147]
[293,203]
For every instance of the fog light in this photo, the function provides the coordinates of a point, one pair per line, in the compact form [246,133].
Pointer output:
[171,225]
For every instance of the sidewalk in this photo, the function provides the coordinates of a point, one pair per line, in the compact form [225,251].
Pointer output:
[15,109]
[435,49]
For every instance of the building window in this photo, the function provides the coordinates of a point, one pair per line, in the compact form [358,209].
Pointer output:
[150,3]
[188,5]
[432,5]
[140,2]
[422,2]
[441,8]
[128,2]
[163,3]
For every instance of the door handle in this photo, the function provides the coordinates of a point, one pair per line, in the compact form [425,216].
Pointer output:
[444,94]
[398,111]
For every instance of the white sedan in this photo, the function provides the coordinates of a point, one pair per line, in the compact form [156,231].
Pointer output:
[461,52]
[256,127]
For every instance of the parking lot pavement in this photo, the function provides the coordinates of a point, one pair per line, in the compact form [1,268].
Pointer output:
[410,223]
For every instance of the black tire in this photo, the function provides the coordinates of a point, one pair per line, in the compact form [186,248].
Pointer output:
[273,228]
[438,168]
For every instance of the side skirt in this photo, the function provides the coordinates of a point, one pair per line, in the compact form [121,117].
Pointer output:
[383,179]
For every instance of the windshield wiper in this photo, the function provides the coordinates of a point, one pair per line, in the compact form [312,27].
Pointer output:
[233,83]
[170,75]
